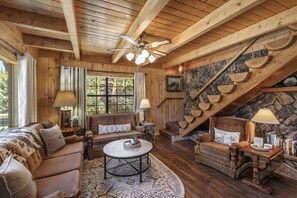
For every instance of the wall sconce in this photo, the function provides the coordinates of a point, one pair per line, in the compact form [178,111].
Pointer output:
[180,69]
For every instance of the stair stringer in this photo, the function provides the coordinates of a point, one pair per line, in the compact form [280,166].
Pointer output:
[280,60]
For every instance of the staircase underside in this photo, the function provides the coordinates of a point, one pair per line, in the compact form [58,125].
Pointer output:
[283,64]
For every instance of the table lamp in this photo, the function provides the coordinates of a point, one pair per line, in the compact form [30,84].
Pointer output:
[64,100]
[265,116]
[145,105]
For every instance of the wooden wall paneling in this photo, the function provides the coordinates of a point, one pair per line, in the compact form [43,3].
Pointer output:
[47,82]
[12,35]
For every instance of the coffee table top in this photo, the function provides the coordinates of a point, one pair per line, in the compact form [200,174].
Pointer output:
[116,149]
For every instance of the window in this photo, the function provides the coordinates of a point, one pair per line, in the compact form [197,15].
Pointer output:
[109,95]
[5,95]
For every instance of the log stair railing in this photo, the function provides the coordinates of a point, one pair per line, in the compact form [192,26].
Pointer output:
[281,53]
[168,98]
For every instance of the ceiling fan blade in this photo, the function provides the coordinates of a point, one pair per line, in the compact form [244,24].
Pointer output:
[159,43]
[129,39]
[159,53]
[117,49]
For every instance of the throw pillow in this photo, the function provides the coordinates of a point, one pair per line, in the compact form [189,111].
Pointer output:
[105,129]
[16,180]
[226,137]
[53,139]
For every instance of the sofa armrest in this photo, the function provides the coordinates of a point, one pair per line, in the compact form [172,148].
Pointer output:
[204,138]
[139,128]
[72,139]
[89,136]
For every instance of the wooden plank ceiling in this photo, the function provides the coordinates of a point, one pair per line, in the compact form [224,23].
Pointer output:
[99,23]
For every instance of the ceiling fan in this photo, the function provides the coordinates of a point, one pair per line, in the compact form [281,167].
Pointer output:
[142,49]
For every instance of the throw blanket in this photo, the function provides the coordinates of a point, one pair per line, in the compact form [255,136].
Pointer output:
[20,143]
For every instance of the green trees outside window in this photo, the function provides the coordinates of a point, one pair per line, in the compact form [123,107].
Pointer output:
[109,95]
[4,95]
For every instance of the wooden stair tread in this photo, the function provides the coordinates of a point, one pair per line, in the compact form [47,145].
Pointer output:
[280,44]
[257,63]
[226,89]
[183,124]
[214,98]
[169,132]
[196,113]
[189,119]
[293,27]
[204,106]
[240,77]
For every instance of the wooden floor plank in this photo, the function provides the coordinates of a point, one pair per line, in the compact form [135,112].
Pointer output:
[202,181]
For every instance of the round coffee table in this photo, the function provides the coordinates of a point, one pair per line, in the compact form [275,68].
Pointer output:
[115,151]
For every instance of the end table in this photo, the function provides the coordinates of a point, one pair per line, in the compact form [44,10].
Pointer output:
[70,131]
[149,131]
[256,157]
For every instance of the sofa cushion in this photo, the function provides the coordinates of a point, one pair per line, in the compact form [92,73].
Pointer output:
[215,148]
[105,137]
[129,134]
[58,165]
[67,182]
[124,118]
[53,139]
[95,120]
[106,129]
[16,180]
[68,149]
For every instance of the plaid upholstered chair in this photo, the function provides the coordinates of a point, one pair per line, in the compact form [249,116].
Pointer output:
[222,157]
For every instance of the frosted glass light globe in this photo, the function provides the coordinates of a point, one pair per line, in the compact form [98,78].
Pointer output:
[145,53]
[151,58]
[130,56]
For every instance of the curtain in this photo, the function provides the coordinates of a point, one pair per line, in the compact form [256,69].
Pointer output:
[27,90]
[74,79]
[139,89]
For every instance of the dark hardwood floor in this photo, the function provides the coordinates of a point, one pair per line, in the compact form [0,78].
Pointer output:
[202,181]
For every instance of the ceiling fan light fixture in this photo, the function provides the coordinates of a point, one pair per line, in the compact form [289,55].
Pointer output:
[130,56]
[145,53]
[140,59]
[151,58]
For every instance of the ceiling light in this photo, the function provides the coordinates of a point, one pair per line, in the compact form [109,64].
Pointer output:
[130,56]
[151,58]
[145,53]
[180,69]
[140,59]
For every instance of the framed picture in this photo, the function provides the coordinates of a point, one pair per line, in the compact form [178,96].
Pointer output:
[173,83]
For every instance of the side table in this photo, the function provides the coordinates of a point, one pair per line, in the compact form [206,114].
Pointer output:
[149,131]
[266,157]
[70,131]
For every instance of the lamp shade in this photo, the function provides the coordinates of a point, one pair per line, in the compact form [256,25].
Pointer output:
[265,116]
[145,104]
[65,98]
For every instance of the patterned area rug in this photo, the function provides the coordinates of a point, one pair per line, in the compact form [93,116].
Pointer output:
[158,181]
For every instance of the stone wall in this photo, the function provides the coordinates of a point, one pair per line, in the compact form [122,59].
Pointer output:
[282,104]
[196,78]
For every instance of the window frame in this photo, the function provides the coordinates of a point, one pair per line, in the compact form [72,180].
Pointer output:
[107,95]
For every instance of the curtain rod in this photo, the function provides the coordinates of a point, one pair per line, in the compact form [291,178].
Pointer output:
[10,46]
[110,72]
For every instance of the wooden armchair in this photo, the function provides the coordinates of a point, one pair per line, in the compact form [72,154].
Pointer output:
[224,158]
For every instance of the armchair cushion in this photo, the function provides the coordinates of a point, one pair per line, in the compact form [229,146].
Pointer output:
[226,137]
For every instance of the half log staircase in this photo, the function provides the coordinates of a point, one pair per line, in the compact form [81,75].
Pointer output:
[263,72]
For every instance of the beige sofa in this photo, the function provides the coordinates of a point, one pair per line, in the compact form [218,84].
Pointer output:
[96,142]
[60,171]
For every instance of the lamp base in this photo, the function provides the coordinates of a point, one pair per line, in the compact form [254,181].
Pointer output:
[65,118]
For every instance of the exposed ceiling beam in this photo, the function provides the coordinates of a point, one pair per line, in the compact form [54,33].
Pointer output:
[69,13]
[273,23]
[47,43]
[149,11]
[221,15]
[32,20]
